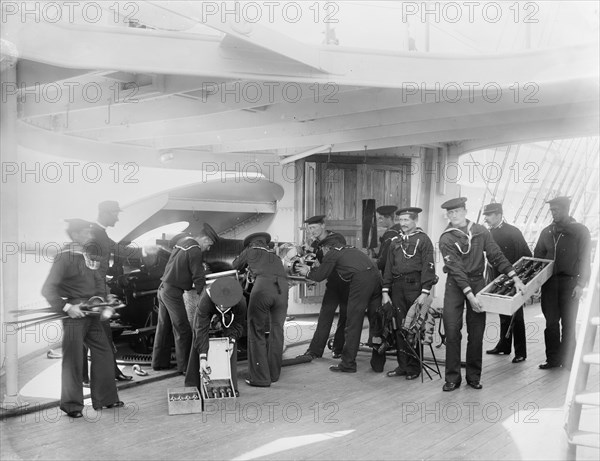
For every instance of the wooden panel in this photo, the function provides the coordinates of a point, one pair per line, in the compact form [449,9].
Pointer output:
[341,186]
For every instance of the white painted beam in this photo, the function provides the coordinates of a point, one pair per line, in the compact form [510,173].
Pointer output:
[93,47]
[371,126]
[231,206]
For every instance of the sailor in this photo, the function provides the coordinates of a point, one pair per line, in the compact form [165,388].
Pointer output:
[462,245]
[567,242]
[513,245]
[336,294]
[184,268]
[73,279]
[108,216]
[385,218]
[407,279]
[364,293]
[267,305]
[225,299]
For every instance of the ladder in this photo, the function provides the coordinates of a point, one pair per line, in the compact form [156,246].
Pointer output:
[577,394]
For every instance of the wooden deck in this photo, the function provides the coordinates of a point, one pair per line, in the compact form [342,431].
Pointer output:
[312,413]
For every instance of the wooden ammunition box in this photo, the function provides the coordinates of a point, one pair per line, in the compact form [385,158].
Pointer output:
[184,400]
[507,305]
[219,390]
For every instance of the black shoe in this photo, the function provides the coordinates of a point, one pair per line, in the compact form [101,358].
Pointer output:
[336,355]
[118,404]
[496,351]
[339,369]
[395,373]
[413,376]
[122,377]
[449,387]
[75,414]
[548,365]
[163,368]
[311,355]
[253,384]
[474,384]
[518,359]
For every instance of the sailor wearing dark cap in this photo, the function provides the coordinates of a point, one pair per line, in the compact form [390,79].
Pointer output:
[225,299]
[73,279]
[336,294]
[364,279]
[183,270]
[462,245]
[268,304]
[108,216]
[567,242]
[514,247]
[408,277]
[385,218]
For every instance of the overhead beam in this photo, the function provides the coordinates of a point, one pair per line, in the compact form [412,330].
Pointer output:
[373,125]
[93,47]
[231,206]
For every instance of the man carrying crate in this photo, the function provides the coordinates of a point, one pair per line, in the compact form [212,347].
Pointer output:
[514,247]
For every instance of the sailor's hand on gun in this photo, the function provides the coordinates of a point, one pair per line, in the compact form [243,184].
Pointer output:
[385,298]
[112,299]
[74,310]
[303,269]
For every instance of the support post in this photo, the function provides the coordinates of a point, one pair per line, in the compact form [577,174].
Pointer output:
[9,234]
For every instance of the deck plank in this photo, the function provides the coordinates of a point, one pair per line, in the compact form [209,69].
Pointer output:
[312,413]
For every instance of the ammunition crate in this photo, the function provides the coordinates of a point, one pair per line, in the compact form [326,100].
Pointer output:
[219,390]
[508,305]
[184,400]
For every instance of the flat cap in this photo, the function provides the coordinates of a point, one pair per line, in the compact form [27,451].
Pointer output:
[210,232]
[491,208]
[76,225]
[176,238]
[109,205]
[451,204]
[386,210]
[333,239]
[409,209]
[560,201]
[319,219]
[226,291]
[264,236]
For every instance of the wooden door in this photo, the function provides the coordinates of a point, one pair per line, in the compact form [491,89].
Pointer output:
[337,189]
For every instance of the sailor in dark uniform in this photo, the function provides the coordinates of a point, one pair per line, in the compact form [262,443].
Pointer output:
[225,299]
[267,305]
[408,277]
[462,245]
[567,242]
[108,216]
[73,279]
[514,247]
[364,294]
[184,268]
[336,294]
[385,218]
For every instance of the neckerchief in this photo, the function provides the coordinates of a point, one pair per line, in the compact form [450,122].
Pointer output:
[468,235]
[403,244]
